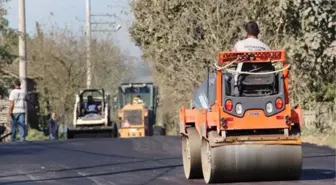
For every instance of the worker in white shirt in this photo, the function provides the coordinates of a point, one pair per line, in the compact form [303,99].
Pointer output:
[17,110]
[251,43]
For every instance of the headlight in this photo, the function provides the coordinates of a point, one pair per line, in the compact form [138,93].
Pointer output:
[239,108]
[269,107]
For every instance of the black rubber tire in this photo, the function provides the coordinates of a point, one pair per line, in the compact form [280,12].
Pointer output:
[192,162]
[70,134]
[2,129]
[115,132]
[158,131]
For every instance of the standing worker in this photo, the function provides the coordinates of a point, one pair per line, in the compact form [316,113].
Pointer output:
[53,126]
[17,110]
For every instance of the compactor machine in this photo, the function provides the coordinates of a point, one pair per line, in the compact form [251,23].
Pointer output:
[137,104]
[241,126]
[92,115]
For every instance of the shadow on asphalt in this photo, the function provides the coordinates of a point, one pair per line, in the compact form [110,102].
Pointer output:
[317,174]
[327,151]
[16,149]
[319,156]
[97,175]
[324,148]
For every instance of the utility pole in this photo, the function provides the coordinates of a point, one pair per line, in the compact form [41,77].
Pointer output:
[23,50]
[88,44]
[89,39]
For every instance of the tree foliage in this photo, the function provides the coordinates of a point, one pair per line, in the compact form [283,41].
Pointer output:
[57,63]
[178,37]
[8,46]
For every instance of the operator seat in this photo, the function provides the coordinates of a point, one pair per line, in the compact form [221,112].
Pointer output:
[90,106]
[248,81]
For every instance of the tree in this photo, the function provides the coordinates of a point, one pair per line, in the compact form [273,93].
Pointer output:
[57,63]
[8,47]
[178,37]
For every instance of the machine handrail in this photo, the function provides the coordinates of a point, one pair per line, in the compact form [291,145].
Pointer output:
[230,58]
[252,56]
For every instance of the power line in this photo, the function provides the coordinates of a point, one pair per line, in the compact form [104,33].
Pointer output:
[89,31]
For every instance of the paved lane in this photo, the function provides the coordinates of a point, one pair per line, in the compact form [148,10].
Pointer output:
[143,161]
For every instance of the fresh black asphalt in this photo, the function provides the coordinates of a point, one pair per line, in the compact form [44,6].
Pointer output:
[138,161]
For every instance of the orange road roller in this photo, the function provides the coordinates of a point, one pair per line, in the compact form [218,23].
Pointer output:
[241,126]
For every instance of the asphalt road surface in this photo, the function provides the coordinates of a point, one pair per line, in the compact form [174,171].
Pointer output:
[150,161]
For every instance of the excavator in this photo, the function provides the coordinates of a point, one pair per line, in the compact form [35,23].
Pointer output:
[241,126]
[137,105]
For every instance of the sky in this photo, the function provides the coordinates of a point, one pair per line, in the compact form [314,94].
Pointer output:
[71,14]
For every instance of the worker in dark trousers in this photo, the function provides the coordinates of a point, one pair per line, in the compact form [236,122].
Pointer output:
[53,126]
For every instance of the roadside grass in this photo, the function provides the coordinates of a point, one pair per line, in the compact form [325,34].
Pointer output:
[36,135]
[327,138]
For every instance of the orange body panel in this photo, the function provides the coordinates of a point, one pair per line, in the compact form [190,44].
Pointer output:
[137,130]
[191,115]
[255,122]
[286,87]
[296,115]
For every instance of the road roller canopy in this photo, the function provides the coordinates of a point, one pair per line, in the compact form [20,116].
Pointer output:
[252,56]
[97,94]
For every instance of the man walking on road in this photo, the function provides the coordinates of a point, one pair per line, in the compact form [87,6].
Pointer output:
[17,110]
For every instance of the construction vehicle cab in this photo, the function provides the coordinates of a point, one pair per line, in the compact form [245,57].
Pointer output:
[136,104]
[92,115]
[241,125]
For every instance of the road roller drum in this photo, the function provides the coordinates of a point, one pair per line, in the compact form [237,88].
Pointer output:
[191,147]
[250,162]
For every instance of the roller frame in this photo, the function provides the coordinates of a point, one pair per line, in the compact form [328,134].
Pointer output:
[284,148]
[274,153]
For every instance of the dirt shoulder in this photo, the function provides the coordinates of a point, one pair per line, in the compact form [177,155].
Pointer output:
[320,139]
